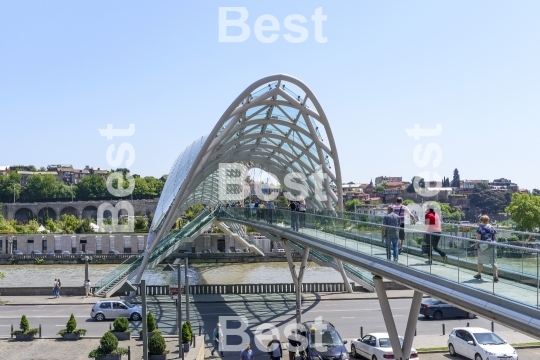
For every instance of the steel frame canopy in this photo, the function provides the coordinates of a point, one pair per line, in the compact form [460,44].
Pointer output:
[275,124]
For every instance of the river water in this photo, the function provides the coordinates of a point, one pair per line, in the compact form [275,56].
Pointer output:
[73,275]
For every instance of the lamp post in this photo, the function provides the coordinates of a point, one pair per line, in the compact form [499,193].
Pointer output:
[179,311]
[186,287]
[10,246]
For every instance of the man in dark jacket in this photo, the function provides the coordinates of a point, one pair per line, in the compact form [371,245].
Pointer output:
[274,349]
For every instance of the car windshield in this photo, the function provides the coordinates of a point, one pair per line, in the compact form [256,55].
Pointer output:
[385,342]
[129,305]
[325,338]
[488,338]
[431,301]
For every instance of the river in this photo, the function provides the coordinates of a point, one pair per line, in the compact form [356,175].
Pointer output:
[73,275]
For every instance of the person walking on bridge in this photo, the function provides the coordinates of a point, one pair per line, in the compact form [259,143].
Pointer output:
[274,349]
[402,211]
[433,222]
[390,234]
[487,254]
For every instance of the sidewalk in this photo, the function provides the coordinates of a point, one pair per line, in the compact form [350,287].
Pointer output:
[207,298]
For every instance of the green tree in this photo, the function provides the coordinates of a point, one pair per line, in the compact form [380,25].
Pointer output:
[193,211]
[445,182]
[91,187]
[524,209]
[456,182]
[536,192]
[9,184]
[349,205]
[71,324]
[141,190]
[70,223]
[407,202]
[489,201]
[84,226]
[421,183]
[42,187]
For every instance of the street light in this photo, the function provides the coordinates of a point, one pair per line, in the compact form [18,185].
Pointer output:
[179,311]
[86,259]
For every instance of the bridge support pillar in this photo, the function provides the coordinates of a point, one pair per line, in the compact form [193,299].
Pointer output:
[346,282]
[297,279]
[400,353]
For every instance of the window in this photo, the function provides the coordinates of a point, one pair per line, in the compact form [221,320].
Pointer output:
[105,305]
[44,245]
[119,306]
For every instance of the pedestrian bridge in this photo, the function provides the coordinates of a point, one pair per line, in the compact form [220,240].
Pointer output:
[278,125]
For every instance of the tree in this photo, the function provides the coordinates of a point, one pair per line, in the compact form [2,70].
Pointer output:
[349,205]
[9,184]
[91,187]
[536,192]
[42,187]
[524,209]
[71,223]
[456,182]
[193,211]
[445,182]
[489,201]
[141,190]
[407,202]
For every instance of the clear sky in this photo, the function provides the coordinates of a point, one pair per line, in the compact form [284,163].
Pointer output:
[68,68]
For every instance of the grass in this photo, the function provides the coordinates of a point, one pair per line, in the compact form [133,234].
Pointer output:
[536,343]
[421,350]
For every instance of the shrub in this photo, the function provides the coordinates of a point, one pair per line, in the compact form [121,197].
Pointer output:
[150,322]
[107,345]
[156,344]
[71,327]
[24,327]
[186,334]
[121,324]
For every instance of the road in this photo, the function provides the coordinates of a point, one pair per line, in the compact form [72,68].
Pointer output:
[346,315]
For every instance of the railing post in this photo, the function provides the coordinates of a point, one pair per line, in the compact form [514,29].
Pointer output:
[361,332]
[129,352]
[11,331]
[39,330]
[443,330]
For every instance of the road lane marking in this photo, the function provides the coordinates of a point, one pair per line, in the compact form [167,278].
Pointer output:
[347,317]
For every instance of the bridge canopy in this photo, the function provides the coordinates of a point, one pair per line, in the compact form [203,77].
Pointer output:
[276,124]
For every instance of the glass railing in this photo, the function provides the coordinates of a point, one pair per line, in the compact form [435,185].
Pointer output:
[452,257]
[131,264]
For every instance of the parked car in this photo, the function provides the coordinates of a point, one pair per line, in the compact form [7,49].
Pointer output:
[238,250]
[479,344]
[36,252]
[114,252]
[280,250]
[50,252]
[439,310]
[228,251]
[80,252]
[111,309]
[17,252]
[65,252]
[323,341]
[376,346]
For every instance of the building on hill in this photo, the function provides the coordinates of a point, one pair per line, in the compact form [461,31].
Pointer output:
[26,174]
[503,184]
[379,180]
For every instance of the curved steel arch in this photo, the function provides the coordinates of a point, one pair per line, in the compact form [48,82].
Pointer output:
[267,121]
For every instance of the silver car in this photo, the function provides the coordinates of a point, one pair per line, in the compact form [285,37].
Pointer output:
[111,309]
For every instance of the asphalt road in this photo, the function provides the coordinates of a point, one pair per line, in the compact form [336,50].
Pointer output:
[346,315]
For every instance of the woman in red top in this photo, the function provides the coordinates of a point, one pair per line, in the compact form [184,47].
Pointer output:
[433,222]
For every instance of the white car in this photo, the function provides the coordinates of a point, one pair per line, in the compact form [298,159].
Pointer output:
[376,346]
[479,344]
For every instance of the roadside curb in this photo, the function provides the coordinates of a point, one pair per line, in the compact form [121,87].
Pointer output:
[445,351]
[220,301]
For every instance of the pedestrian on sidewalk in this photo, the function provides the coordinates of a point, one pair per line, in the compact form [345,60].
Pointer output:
[274,349]
[390,233]
[401,210]
[55,286]
[218,340]
[87,287]
[293,345]
[247,353]
[486,253]
[58,288]
[433,222]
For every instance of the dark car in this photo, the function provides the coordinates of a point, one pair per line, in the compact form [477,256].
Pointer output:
[323,341]
[36,252]
[17,252]
[439,309]
[114,252]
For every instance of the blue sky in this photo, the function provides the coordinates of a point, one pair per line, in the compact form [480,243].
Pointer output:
[69,68]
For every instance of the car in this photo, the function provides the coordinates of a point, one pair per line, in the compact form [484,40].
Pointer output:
[50,252]
[438,309]
[80,252]
[35,252]
[376,346]
[280,250]
[323,341]
[114,252]
[479,344]
[238,250]
[65,252]
[17,252]
[111,309]
[228,251]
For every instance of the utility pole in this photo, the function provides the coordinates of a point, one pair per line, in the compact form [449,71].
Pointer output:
[144,320]
[179,310]
[186,287]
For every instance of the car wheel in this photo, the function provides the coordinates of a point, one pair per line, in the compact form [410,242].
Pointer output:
[135,317]
[437,315]
[477,357]
[471,316]
[100,317]
[451,350]
[353,350]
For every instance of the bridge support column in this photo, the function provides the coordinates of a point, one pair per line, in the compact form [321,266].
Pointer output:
[346,282]
[400,353]
[297,279]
